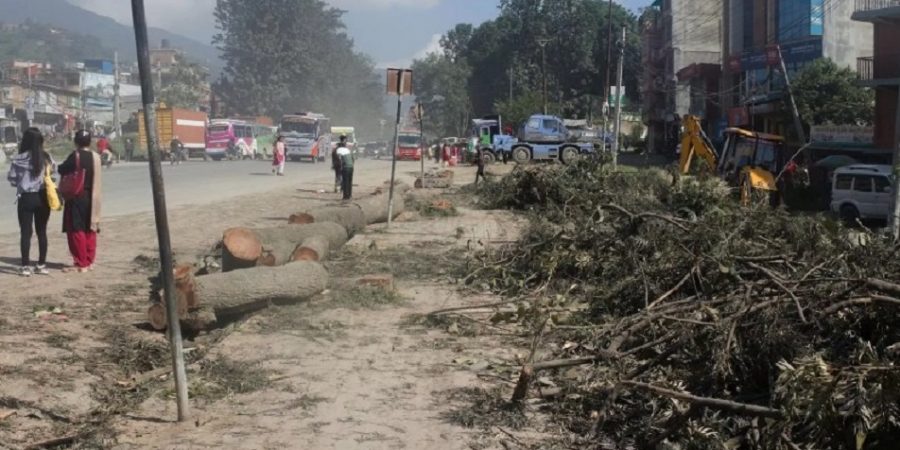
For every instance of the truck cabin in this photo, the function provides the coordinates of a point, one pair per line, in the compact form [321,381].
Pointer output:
[543,129]
[745,148]
[485,129]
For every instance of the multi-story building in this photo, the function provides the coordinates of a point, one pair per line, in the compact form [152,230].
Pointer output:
[683,66]
[881,68]
[803,31]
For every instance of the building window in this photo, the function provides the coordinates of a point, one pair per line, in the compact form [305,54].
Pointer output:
[794,19]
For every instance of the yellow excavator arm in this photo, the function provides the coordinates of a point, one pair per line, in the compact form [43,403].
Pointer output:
[695,143]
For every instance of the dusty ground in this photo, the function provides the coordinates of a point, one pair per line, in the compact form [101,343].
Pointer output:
[348,370]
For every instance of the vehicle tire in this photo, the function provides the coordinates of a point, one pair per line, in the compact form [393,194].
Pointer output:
[488,157]
[849,214]
[521,155]
[569,155]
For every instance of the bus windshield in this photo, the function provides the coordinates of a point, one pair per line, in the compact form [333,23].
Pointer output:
[304,128]
[409,140]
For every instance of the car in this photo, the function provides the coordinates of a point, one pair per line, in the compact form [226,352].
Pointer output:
[862,191]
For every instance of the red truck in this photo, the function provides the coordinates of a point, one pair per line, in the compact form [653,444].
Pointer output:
[409,146]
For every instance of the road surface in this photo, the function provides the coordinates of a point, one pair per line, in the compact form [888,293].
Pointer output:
[126,187]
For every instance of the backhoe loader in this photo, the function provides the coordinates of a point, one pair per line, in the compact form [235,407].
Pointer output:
[749,160]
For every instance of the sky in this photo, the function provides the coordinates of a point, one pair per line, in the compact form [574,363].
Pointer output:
[392,32]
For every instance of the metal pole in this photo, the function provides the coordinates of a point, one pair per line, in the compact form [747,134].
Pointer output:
[787,83]
[394,149]
[606,79]
[618,126]
[159,207]
[421,112]
[895,216]
[117,123]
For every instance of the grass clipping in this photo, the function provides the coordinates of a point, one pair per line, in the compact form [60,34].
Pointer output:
[705,325]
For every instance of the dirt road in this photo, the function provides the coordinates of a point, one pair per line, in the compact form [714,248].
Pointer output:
[346,371]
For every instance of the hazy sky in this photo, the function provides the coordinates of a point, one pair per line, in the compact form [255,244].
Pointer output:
[393,32]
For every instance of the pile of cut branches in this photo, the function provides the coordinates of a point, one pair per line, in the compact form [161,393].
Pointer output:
[707,325]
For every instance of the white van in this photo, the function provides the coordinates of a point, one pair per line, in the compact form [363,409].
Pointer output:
[862,191]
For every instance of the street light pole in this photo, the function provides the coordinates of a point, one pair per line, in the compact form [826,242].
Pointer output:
[543,43]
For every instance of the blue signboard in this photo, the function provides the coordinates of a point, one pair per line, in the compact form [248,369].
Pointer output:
[816,17]
[793,52]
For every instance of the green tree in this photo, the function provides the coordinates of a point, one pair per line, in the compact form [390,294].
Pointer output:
[441,88]
[185,85]
[828,94]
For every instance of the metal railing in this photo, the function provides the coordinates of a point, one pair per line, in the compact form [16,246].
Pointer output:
[871,5]
[865,68]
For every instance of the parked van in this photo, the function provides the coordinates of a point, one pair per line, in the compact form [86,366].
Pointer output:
[862,191]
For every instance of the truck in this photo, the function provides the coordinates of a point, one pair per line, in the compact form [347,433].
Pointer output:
[486,135]
[189,126]
[542,138]
[349,132]
[409,145]
[10,133]
[306,136]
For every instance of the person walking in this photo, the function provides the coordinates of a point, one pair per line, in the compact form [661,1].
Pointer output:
[279,157]
[346,157]
[129,150]
[479,162]
[81,216]
[336,164]
[27,173]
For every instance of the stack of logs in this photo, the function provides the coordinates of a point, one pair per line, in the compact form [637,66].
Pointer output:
[276,265]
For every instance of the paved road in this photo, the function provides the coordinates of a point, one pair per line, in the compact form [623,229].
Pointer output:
[126,187]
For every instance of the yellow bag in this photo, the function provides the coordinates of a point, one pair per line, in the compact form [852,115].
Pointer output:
[52,195]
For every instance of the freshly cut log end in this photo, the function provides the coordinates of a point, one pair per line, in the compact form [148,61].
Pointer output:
[267,260]
[280,243]
[313,249]
[156,315]
[241,249]
[301,219]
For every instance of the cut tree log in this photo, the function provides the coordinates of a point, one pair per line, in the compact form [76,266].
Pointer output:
[312,249]
[349,217]
[280,243]
[375,207]
[240,249]
[228,296]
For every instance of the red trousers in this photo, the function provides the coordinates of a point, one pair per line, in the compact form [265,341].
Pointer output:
[83,246]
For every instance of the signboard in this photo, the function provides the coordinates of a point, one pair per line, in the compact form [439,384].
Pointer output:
[399,78]
[844,134]
[794,52]
[612,95]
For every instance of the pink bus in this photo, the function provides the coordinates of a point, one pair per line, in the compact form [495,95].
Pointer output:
[221,134]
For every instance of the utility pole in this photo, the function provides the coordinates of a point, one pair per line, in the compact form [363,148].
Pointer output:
[117,123]
[510,71]
[618,127]
[895,216]
[605,111]
[543,43]
[787,83]
[420,111]
[159,207]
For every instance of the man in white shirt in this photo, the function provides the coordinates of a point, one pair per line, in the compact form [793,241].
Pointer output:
[346,158]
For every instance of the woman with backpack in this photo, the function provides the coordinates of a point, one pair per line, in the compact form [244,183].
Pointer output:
[30,173]
[81,187]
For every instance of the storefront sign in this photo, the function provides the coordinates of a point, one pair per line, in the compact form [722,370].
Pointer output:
[793,52]
[844,134]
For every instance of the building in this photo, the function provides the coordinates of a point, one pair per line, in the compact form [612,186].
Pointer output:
[803,31]
[881,68]
[684,43]
[164,57]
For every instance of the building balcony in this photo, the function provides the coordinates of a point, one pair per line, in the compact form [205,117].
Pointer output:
[877,10]
[878,71]
[865,68]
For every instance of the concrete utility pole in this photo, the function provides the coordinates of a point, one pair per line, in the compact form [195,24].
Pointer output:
[787,83]
[543,43]
[618,128]
[895,216]
[605,111]
[117,123]
[159,207]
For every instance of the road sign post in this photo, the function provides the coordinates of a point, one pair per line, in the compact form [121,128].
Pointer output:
[159,207]
[399,83]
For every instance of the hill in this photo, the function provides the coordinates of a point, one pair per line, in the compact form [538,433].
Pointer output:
[40,42]
[62,14]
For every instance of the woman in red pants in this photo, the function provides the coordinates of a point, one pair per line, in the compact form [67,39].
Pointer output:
[81,217]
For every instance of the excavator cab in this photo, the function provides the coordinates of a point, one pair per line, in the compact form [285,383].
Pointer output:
[749,160]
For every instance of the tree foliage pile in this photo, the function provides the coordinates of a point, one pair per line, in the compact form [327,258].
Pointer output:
[705,325]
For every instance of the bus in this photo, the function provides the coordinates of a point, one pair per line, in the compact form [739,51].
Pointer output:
[222,133]
[265,139]
[306,136]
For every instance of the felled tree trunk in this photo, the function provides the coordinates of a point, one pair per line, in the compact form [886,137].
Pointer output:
[241,249]
[375,207]
[227,296]
[280,243]
[315,248]
[350,217]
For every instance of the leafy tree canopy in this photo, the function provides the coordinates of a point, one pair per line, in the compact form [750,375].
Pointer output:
[828,94]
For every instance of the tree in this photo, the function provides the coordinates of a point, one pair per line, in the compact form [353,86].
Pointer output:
[441,88]
[456,41]
[828,94]
[185,85]
[294,55]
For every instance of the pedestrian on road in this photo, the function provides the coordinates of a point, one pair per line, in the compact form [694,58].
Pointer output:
[81,217]
[336,164]
[26,173]
[346,157]
[479,162]
[129,149]
[279,157]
